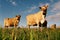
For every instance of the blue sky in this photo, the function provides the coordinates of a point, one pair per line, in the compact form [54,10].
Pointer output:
[10,8]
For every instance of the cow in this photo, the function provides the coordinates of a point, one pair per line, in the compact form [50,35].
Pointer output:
[10,22]
[37,18]
[53,26]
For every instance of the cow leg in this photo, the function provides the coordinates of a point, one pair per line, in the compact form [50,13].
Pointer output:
[45,24]
[40,26]
[28,27]
[6,26]
[15,25]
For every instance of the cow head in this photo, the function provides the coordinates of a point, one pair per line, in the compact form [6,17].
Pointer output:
[44,9]
[18,17]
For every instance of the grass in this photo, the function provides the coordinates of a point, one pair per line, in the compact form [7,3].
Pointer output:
[32,34]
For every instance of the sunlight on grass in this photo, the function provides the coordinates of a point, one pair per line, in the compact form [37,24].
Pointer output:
[32,34]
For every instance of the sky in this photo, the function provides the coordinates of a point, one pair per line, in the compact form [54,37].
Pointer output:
[11,8]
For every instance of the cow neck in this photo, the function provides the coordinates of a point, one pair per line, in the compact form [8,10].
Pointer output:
[45,12]
[40,12]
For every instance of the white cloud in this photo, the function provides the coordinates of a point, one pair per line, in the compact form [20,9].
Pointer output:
[34,7]
[12,2]
[54,17]
[56,13]
[51,0]
[56,7]
[29,10]
[41,4]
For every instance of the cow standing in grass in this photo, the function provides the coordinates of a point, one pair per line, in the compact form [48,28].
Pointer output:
[53,26]
[38,18]
[10,22]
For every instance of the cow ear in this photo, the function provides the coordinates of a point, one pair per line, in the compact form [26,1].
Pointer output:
[39,7]
[19,15]
[46,6]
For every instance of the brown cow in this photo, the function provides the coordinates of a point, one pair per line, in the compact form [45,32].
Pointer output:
[35,19]
[9,22]
[53,26]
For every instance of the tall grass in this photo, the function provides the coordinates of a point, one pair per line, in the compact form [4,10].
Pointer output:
[32,34]
[0,33]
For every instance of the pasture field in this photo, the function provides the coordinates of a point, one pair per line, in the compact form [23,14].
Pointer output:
[32,34]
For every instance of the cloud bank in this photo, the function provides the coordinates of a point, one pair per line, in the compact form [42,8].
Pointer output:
[56,13]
